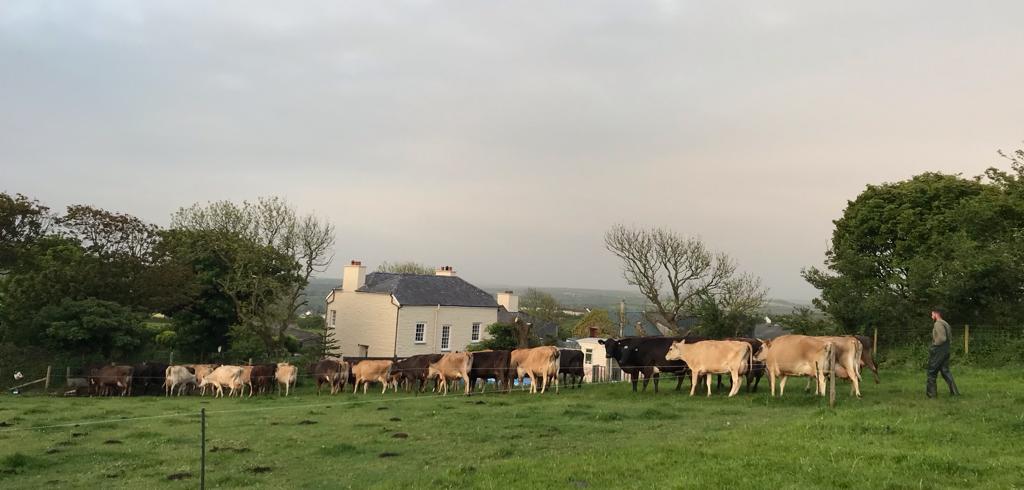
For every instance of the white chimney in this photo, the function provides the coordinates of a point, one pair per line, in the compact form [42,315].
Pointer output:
[445,270]
[354,277]
[509,300]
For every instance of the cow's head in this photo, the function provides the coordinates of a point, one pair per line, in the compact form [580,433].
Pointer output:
[675,351]
[612,347]
[762,352]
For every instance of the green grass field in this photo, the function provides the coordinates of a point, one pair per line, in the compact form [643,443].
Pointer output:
[598,437]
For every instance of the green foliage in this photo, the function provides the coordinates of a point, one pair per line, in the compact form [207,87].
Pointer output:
[935,239]
[91,325]
[720,321]
[598,319]
[22,222]
[407,267]
[502,336]
[542,307]
[810,321]
[310,322]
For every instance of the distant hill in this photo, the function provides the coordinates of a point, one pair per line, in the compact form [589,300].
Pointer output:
[572,298]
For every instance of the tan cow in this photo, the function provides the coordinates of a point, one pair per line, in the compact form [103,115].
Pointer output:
[796,355]
[230,376]
[246,380]
[201,371]
[286,375]
[177,377]
[371,371]
[539,363]
[849,353]
[453,365]
[713,357]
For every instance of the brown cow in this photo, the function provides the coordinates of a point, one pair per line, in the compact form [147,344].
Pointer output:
[263,377]
[454,365]
[866,356]
[796,355]
[538,363]
[413,369]
[332,372]
[106,379]
[370,371]
[246,380]
[713,357]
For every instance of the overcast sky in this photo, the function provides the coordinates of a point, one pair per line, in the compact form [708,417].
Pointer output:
[504,138]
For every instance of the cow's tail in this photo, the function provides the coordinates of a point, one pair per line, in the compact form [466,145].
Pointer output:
[750,359]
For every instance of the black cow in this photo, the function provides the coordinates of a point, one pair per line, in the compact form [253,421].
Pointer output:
[646,355]
[492,364]
[570,363]
[147,375]
[414,368]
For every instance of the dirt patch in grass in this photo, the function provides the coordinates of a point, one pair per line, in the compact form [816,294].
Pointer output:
[112,441]
[400,435]
[307,422]
[395,419]
[259,470]
[387,454]
[179,476]
[237,450]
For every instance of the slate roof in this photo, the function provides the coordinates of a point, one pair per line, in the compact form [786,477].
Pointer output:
[424,290]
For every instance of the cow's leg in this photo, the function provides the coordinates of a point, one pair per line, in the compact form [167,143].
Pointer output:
[782,385]
[735,383]
[694,376]
[855,380]
[680,375]
[707,381]
[634,378]
[465,379]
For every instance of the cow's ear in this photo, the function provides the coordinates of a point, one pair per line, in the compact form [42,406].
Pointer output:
[601,341]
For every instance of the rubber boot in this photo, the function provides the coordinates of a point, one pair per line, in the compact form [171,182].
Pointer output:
[953,391]
[929,389]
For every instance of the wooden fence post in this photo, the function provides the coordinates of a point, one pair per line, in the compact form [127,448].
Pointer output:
[874,344]
[46,384]
[832,385]
[967,339]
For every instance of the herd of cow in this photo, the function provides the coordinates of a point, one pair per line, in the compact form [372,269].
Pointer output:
[638,357]
[542,364]
[780,358]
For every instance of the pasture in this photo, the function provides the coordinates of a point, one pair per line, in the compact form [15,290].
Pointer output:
[603,436]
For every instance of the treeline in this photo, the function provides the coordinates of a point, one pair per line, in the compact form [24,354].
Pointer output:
[224,276]
[901,249]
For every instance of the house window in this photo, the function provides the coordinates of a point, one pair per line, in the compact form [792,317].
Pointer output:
[588,356]
[421,329]
[475,334]
[446,337]
[364,350]
[334,316]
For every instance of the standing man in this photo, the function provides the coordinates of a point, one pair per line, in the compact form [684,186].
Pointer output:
[938,355]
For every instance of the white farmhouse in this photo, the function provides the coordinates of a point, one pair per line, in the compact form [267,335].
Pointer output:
[383,314]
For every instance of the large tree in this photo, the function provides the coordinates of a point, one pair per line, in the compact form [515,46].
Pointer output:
[902,248]
[677,273]
[269,252]
[23,221]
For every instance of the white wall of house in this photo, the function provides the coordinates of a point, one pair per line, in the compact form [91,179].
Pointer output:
[459,319]
[593,355]
[362,319]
